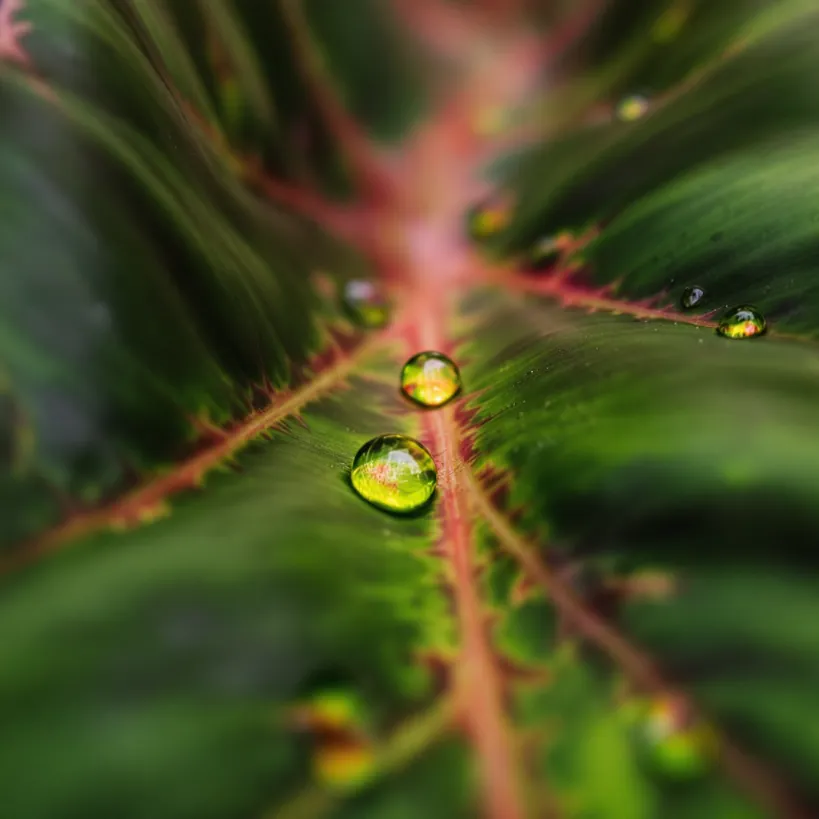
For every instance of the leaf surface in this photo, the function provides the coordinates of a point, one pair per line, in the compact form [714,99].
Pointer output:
[200,618]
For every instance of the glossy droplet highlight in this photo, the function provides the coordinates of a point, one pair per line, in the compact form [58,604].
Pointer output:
[742,322]
[632,107]
[430,379]
[489,218]
[394,472]
[365,303]
[671,742]
[691,297]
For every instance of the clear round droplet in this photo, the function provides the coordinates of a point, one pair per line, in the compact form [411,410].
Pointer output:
[395,473]
[365,303]
[691,297]
[632,107]
[430,379]
[742,322]
[671,742]
[489,218]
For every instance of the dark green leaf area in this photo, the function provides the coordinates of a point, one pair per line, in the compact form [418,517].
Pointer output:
[757,96]
[744,642]
[232,69]
[622,433]
[369,60]
[654,45]
[131,662]
[585,748]
[143,292]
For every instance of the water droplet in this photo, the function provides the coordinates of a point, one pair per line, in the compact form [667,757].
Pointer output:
[671,742]
[742,322]
[691,297]
[365,303]
[343,753]
[544,253]
[430,379]
[344,766]
[490,217]
[632,107]
[394,472]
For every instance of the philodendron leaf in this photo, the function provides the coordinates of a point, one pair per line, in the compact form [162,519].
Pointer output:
[226,225]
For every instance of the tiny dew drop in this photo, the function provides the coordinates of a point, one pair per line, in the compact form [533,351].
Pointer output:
[544,253]
[671,742]
[691,297]
[365,303]
[395,473]
[742,322]
[430,379]
[632,107]
[343,752]
[489,218]
[344,765]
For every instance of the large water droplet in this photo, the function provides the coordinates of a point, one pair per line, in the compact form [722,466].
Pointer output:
[672,742]
[394,472]
[691,297]
[632,107]
[430,379]
[365,303]
[742,322]
[489,218]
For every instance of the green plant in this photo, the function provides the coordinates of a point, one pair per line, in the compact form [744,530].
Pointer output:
[609,609]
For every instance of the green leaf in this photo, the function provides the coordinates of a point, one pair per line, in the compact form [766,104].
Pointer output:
[606,610]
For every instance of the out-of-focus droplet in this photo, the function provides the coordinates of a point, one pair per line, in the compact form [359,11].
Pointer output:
[328,710]
[344,766]
[671,742]
[490,217]
[545,253]
[430,379]
[365,303]
[343,752]
[632,107]
[742,322]
[691,297]
[395,473]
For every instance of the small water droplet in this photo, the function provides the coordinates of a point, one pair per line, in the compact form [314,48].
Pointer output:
[343,751]
[691,297]
[395,473]
[742,322]
[632,107]
[671,742]
[490,217]
[543,254]
[430,379]
[365,303]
